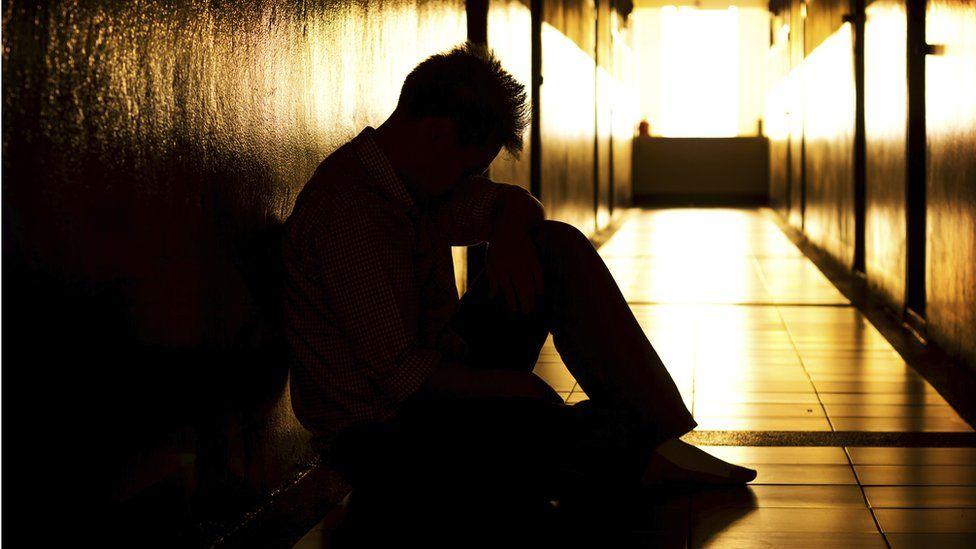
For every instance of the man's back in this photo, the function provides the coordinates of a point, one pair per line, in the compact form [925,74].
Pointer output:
[323,236]
[370,285]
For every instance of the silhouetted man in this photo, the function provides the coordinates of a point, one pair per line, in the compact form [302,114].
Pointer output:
[404,384]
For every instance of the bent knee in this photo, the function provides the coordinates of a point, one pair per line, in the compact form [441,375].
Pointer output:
[557,235]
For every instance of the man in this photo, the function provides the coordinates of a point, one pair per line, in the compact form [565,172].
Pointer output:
[393,374]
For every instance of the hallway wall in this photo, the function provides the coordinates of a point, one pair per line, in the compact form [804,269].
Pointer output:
[150,150]
[950,89]
[827,81]
[825,186]
[510,37]
[886,110]
[623,99]
[567,98]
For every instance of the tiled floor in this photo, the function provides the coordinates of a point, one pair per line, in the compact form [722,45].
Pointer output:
[759,340]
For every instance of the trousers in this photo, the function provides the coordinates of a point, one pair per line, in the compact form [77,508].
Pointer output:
[451,445]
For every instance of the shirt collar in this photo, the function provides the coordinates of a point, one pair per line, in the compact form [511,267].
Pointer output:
[380,169]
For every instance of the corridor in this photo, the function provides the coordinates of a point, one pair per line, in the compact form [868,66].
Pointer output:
[759,341]
[227,233]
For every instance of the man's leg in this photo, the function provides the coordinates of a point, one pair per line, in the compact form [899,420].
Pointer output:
[605,348]
[598,337]
[496,337]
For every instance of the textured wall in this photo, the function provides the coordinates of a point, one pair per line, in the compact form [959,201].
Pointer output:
[604,113]
[825,76]
[828,132]
[567,112]
[510,37]
[796,108]
[776,113]
[149,151]
[885,115]
[624,112]
[950,89]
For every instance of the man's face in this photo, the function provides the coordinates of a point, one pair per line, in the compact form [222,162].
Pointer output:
[446,163]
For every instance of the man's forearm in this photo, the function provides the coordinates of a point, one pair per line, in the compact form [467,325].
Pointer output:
[516,210]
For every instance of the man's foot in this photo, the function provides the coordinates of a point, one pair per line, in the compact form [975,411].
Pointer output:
[677,462]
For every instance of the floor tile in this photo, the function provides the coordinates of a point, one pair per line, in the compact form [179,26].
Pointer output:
[904,376]
[921,496]
[624,540]
[314,539]
[805,496]
[576,396]
[762,424]
[792,540]
[889,410]
[867,455]
[776,519]
[869,386]
[910,399]
[703,408]
[784,455]
[905,424]
[911,521]
[556,375]
[762,398]
[932,541]
[916,475]
[803,474]
[719,386]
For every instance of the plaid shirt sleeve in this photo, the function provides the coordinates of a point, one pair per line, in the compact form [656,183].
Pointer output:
[359,269]
[466,216]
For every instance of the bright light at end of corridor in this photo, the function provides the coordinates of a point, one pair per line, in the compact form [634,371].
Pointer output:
[699,72]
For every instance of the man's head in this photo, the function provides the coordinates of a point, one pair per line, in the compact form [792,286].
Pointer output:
[456,111]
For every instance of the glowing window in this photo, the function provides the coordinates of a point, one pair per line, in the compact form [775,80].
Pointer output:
[699,72]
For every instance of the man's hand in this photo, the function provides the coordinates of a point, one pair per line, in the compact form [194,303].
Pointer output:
[513,266]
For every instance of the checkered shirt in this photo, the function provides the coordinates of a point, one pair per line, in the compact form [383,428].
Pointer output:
[370,285]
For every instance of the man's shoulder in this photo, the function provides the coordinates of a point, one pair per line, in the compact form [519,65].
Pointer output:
[338,179]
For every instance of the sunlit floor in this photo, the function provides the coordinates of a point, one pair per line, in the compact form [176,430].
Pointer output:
[759,341]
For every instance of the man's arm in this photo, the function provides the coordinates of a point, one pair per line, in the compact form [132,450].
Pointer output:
[359,267]
[512,265]
[474,210]
[480,210]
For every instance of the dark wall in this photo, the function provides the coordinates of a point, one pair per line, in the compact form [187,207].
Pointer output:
[150,151]
[950,121]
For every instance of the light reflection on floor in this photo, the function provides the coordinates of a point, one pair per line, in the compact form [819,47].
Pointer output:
[754,334]
[758,339]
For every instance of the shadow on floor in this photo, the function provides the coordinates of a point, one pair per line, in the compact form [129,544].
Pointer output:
[662,518]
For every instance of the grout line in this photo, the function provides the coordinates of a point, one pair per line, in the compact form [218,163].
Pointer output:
[864,496]
[789,334]
[899,439]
